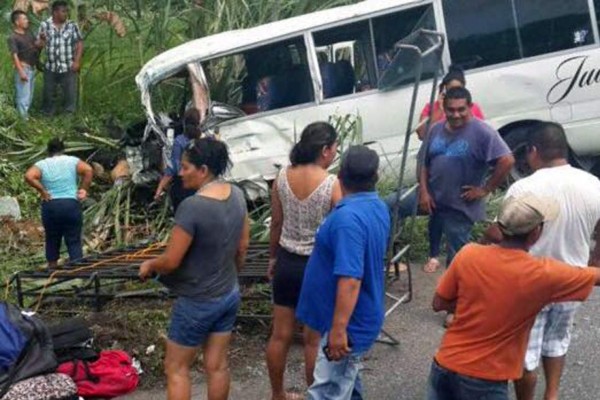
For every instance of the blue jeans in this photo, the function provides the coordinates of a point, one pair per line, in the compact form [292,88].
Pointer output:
[336,380]
[67,81]
[194,320]
[407,207]
[24,90]
[62,218]
[455,226]
[448,385]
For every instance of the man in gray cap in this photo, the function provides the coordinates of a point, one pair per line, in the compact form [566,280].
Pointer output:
[496,292]
[342,294]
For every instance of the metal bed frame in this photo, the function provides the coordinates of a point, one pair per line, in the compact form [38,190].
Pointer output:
[99,278]
[421,46]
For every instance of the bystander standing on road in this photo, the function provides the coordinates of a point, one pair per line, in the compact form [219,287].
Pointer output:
[55,179]
[64,50]
[452,182]
[302,195]
[496,291]
[565,239]
[24,50]
[207,247]
[455,78]
[343,290]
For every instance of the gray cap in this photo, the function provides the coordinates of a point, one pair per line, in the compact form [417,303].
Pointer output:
[521,214]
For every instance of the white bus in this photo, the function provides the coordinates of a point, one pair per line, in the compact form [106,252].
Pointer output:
[525,61]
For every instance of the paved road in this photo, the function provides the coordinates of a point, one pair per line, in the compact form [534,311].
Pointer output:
[400,373]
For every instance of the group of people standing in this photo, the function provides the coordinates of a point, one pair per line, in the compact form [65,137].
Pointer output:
[328,240]
[63,43]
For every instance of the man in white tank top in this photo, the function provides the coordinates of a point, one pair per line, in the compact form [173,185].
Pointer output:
[568,239]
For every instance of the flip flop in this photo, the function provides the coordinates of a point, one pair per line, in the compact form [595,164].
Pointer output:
[431,266]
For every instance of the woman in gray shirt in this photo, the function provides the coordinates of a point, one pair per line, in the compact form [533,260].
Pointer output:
[207,247]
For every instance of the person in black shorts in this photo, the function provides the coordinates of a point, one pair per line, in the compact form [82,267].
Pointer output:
[303,194]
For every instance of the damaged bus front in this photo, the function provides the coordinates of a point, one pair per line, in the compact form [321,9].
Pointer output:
[258,88]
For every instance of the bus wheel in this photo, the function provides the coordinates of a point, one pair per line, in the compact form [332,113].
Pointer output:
[516,139]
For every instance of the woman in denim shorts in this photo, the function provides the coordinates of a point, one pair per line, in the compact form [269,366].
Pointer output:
[207,247]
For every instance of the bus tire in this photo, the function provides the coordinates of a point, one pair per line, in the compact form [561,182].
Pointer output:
[516,139]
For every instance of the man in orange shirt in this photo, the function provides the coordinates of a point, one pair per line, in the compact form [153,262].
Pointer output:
[496,291]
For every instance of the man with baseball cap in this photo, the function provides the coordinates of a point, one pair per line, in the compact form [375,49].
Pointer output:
[342,294]
[496,292]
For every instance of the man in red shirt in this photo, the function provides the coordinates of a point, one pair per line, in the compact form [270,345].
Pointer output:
[496,292]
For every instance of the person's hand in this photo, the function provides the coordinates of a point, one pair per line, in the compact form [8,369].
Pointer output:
[271,269]
[426,202]
[81,194]
[23,77]
[45,196]
[159,194]
[337,344]
[145,270]
[75,67]
[472,193]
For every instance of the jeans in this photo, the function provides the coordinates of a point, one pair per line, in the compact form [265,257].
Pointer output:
[194,320]
[24,90]
[407,206]
[455,226]
[68,84]
[336,380]
[447,385]
[62,218]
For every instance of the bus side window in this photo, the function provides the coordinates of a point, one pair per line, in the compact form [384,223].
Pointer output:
[263,78]
[481,32]
[547,26]
[348,65]
[390,29]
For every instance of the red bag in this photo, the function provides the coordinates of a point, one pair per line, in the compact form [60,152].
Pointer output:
[110,376]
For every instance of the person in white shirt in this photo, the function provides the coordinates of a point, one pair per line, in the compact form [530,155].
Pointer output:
[567,239]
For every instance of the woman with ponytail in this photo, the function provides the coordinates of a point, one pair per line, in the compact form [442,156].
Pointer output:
[302,195]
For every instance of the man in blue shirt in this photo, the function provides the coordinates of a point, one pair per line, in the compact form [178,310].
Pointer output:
[343,290]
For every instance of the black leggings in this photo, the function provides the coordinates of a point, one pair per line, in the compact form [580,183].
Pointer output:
[62,218]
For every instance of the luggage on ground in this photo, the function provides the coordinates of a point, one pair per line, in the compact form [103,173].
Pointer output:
[110,376]
[43,387]
[73,340]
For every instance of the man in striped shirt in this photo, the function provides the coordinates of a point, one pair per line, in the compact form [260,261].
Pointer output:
[64,49]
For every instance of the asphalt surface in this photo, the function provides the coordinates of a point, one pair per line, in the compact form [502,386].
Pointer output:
[400,373]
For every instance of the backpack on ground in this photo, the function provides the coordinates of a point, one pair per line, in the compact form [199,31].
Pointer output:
[110,376]
[73,340]
[26,336]
[43,387]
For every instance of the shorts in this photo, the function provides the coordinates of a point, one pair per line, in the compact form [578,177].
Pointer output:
[551,333]
[193,320]
[289,274]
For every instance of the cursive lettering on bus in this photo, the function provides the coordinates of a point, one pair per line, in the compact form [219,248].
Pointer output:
[572,73]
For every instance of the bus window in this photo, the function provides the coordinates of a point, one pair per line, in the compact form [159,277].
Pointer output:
[547,26]
[349,66]
[391,28]
[481,32]
[262,79]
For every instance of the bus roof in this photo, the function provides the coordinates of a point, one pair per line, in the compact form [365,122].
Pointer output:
[171,61]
